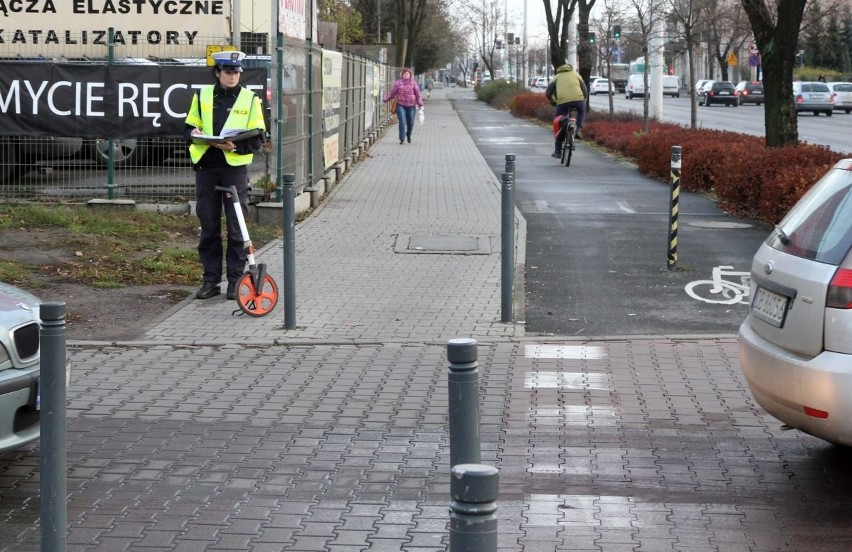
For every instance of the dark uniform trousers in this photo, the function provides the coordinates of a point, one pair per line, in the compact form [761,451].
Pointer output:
[209,210]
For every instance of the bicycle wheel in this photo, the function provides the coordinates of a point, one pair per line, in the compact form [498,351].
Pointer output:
[728,294]
[569,150]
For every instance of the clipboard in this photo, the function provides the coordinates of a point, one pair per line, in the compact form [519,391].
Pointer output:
[227,135]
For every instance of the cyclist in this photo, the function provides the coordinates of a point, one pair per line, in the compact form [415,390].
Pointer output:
[567,91]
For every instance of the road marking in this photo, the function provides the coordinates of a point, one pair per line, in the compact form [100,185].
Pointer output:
[567,380]
[624,206]
[586,352]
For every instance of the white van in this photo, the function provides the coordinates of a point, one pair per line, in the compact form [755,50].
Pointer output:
[671,86]
[635,86]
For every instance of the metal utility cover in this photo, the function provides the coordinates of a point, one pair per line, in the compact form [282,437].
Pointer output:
[443,244]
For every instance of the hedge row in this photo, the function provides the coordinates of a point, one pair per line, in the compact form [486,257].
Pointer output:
[747,178]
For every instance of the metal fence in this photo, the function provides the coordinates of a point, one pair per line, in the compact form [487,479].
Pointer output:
[70,161]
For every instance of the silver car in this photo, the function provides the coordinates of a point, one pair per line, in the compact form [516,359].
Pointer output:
[19,368]
[842,95]
[815,97]
[796,343]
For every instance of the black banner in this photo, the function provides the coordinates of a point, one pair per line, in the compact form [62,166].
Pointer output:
[103,101]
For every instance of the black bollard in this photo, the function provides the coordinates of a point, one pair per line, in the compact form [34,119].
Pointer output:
[674,207]
[289,208]
[473,510]
[510,164]
[53,485]
[507,247]
[463,387]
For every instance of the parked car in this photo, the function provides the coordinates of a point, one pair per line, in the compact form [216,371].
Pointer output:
[842,95]
[601,86]
[719,92]
[541,82]
[635,86]
[815,97]
[796,343]
[19,367]
[671,86]
[750,92]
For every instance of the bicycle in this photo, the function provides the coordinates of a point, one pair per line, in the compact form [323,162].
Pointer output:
[566,127]
[722,291]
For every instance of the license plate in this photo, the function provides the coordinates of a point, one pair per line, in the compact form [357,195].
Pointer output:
[724,93]
[769,306]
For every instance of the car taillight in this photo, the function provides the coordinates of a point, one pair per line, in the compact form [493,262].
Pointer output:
[840,290]
[833,97]
[744,93]
[799,99]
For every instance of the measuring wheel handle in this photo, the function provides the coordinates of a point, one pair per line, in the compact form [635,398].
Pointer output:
[257,292]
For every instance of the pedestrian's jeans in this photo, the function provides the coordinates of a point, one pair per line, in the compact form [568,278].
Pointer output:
[405,116]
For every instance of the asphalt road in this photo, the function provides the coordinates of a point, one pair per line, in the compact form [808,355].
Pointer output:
[597,239]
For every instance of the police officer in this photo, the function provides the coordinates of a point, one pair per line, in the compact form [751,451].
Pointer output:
[224,105]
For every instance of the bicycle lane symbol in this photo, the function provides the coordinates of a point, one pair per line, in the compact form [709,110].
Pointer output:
[721,290]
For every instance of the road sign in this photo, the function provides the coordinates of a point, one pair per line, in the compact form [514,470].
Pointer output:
[752,48]
[732,59]
[753,60]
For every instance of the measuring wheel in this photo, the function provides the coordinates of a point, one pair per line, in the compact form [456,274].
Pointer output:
[254,301]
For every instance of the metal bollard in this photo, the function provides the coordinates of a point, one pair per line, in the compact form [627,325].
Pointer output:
[53,485]
[671,260]
[507,247]
[289,283]
[473,510]
[463,388]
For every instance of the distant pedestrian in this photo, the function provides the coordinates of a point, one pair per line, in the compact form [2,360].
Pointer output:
[408,99]
[821,77]
[430,83]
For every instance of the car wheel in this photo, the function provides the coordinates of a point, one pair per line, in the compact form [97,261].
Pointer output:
[125,151]
[847,111]
[816,113]
[829,113]
[736,104]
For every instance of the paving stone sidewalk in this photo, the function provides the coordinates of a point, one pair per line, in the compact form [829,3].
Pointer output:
[221,432]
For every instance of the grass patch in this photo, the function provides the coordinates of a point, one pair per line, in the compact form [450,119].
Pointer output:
[114,248]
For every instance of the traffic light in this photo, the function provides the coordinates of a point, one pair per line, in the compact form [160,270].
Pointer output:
[591,38]
[616,31]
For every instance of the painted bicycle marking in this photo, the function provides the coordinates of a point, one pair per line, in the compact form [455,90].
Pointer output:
[721,289]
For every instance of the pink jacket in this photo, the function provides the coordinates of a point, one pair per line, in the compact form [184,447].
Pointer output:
[406,92]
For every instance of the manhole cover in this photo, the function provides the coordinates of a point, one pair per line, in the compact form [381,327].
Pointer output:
[445,244]
[720,225]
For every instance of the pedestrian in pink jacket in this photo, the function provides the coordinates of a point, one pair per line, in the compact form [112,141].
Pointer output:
[407,94]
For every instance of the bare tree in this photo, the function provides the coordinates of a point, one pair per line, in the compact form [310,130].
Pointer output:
[689,17]
[485,19]
[727,30]
[649,15]
[557,29]
[610,17]
[410,16]
[585,49]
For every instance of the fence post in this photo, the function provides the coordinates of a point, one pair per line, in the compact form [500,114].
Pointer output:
[674,198]
[53,485]
[289,207]
[463,388]
[507,247]
[473,510]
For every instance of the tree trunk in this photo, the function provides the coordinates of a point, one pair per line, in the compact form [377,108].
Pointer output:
[777,43]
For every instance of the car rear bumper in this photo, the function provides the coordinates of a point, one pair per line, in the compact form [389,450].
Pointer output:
[785,385]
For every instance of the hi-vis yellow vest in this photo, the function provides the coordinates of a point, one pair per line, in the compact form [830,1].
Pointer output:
[247,113]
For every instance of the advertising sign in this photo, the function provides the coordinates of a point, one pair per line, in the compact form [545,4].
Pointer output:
[149,27]
[103,101]
[332,79]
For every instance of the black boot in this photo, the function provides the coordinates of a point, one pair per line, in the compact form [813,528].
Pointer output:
[232,291]
[208,290]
